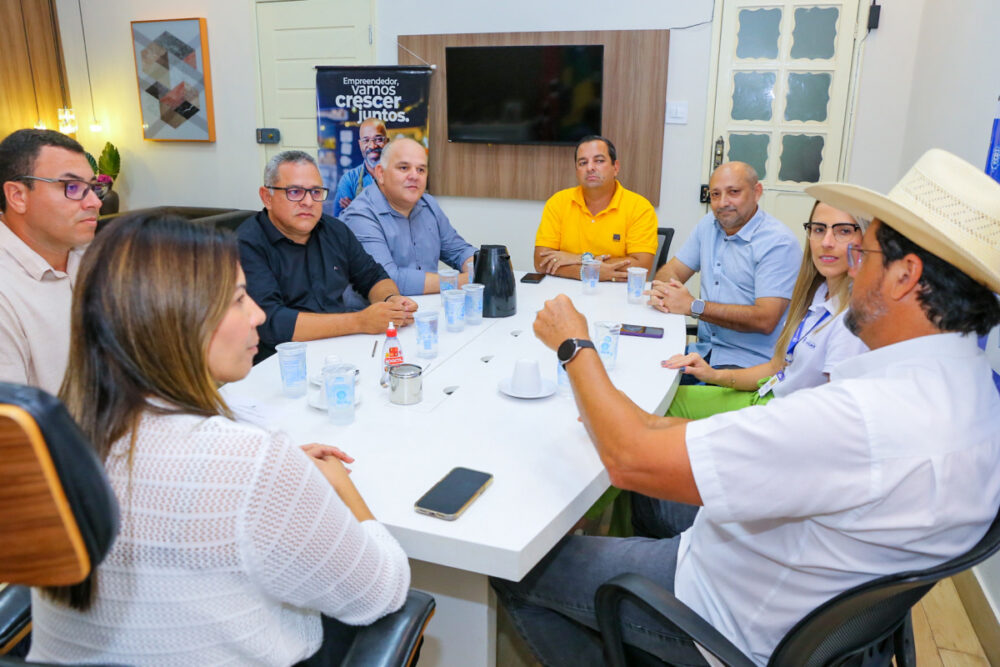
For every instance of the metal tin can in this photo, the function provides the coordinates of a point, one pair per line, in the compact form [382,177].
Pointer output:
[405,384]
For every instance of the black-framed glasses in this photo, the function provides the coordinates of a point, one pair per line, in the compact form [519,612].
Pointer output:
[841,230]
[377,140]
[856,254]
[73,188]
[298,193]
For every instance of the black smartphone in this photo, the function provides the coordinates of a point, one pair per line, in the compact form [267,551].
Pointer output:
[532,278]
[449,497]
[641,331]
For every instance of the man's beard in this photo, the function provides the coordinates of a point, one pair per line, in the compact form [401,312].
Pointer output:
[871,308]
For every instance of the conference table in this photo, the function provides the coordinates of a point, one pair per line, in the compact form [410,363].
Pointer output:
[546,470]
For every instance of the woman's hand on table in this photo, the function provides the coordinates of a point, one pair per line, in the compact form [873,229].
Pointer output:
[692,364]
[320,452]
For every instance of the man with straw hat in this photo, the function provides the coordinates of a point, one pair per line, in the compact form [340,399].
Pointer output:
[889,467]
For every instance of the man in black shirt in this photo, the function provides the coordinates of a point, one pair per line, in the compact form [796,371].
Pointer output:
[299,262]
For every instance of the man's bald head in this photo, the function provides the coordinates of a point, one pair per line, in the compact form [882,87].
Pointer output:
[733,193]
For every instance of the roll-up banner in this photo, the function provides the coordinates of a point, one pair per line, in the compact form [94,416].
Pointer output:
[360,109]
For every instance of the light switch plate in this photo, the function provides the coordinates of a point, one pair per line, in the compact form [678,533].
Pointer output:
[677,113]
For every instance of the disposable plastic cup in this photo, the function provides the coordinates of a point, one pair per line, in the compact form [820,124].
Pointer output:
[427,333]
[636,283]
[292,362]
[454,309]
[590,275]
[447,280]
[473,303]
[563,384]
[527,379]
[338,385]
[606,340]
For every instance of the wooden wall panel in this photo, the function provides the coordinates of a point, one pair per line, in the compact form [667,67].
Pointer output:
[634,105]
[18,108]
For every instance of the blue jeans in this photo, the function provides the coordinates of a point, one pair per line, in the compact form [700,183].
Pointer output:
[659,519]
[553,606]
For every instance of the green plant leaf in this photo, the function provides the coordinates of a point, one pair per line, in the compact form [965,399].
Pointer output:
[92,161]
[110,162]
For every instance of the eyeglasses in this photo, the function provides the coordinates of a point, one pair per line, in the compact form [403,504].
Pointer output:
[298,193]
[855,254]
[377,140]
[841,230]
[72,188]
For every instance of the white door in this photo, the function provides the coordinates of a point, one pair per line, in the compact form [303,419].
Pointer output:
[294,36]
[784,79]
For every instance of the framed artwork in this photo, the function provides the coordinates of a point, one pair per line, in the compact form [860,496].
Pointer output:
[175,82]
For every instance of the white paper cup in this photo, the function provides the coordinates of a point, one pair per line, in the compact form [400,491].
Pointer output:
[527,379]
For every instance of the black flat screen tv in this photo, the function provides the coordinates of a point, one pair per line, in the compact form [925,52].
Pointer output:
[524,94]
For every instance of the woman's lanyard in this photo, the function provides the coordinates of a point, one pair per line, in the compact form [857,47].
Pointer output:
[797,338]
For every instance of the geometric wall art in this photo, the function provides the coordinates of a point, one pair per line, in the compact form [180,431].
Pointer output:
[175,83]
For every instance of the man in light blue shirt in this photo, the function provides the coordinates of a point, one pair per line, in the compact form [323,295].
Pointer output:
[402,227]
[748,262]
[372,137]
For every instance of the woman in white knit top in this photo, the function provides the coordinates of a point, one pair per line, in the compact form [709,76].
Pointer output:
[233,540]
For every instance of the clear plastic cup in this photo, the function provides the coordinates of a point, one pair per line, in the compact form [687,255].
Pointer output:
[292,362]
[606,339]
[636,283]
[454,309]
[448,280]
[563,383]
[427,333]
[590,275]
[473,303]
[338,385]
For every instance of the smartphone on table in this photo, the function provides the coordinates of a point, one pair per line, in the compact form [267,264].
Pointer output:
[532,278]
[453,494]
[641,331]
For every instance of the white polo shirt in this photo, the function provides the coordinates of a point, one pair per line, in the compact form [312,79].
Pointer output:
[824,344]
[889,467]
[35,303]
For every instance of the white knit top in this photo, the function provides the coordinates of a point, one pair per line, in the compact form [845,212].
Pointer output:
[231,544]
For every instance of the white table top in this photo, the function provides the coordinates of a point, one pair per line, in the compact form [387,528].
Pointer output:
[546,471]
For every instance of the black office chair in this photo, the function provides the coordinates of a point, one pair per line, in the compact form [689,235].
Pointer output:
[59,517]
[664,236]
[866,625]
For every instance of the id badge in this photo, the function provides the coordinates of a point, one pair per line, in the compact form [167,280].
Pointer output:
[766,388]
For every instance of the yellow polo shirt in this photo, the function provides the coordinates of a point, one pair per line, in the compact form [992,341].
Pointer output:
[626,226]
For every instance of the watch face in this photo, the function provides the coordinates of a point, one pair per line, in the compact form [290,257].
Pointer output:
[697,307]
[566,350]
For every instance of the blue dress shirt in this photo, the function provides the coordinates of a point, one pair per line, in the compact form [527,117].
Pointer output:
[347,186]
[286,278]
[406,247]
[760,260]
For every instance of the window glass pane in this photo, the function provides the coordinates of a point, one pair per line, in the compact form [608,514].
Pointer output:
[814,32]
[752,95]
[808,95]
[750,148]
[758,36]
[800,157]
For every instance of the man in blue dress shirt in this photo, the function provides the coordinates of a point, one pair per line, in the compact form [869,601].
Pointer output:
[748,261]
[402,226]
[300,263]
[372,138]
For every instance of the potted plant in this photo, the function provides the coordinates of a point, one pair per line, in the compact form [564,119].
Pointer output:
[107,168]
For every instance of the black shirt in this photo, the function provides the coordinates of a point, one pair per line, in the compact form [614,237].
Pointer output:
[286,278]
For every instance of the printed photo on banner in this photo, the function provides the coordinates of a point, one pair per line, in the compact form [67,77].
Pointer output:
[359,110]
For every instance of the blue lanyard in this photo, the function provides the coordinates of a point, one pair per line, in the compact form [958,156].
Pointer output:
[799,335]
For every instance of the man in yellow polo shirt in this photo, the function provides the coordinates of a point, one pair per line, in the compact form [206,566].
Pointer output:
[599,218]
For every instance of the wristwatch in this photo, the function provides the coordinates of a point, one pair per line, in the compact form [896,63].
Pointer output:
[697,308]
[569,348]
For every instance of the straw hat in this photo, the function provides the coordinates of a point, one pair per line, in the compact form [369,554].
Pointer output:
[943,204]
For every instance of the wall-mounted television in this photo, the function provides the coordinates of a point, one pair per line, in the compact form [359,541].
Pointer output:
[524,94]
